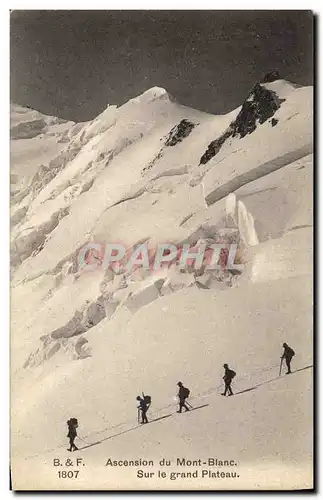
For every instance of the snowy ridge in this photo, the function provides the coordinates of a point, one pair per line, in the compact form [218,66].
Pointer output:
[133,175]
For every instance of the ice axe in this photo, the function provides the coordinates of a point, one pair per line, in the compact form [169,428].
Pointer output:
[281,364]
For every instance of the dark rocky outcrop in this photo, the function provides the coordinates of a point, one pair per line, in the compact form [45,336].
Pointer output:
[179,132]
[260,105]
[215,146]
[176,135]
[152,162]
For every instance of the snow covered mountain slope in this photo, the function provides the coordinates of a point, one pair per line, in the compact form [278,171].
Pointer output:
[35,139]
[86,343]
[258,413]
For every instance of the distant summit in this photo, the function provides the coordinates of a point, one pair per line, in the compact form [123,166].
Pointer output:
[152,94]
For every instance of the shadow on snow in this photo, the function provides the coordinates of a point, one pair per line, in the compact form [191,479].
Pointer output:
[271,380]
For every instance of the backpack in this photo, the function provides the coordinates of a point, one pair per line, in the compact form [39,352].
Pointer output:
[147,400]
[232,373]
[186,392]
[288,352]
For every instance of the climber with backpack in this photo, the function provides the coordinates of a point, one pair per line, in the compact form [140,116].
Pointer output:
[72,425]
[183,394]
[144,404]
[287,355]
[228,377]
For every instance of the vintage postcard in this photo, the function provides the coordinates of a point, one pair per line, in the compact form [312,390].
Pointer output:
[161,250]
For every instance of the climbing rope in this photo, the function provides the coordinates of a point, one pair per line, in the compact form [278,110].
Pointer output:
[158,410]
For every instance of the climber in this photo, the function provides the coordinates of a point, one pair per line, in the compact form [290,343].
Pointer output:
[144,404]
[183,394]
[72,424]
[287,355]
[228,377]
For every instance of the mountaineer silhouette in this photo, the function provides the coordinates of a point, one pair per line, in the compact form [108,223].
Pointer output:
[144,404]
[228,377]
[183,394]
[72,425]
[287,355]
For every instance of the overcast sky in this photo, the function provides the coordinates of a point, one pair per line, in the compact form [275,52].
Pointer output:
[73,63]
